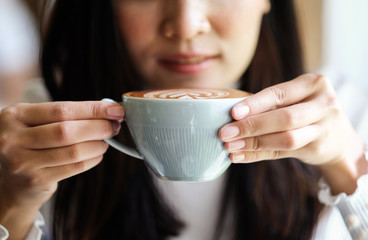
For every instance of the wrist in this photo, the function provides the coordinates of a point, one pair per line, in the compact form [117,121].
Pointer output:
[342,175]
[17,221]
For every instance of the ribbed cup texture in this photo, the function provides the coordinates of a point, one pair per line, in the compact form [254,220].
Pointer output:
[188,154]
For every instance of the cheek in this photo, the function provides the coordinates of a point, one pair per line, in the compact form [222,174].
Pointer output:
[137,31]
[240,21]
[239,29]
[239,15]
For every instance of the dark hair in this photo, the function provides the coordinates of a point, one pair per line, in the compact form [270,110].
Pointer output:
[84,59]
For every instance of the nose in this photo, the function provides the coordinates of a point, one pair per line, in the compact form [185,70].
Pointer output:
[185,19]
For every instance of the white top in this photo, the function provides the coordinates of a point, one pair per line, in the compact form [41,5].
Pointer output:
[197,204]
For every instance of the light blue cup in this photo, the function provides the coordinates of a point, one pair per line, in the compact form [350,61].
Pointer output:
[178,138]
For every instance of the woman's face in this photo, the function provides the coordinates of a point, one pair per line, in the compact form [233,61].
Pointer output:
[191,43]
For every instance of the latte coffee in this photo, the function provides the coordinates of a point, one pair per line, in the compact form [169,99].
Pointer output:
[176,131]
[188,93]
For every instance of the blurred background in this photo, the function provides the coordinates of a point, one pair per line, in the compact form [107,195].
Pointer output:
[335,41]
[334,37]
[19,52]
[19,47]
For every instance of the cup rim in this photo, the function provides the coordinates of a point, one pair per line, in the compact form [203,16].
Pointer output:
[124,95]
[183,100]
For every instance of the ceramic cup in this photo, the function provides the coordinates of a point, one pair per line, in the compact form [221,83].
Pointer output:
[176,131]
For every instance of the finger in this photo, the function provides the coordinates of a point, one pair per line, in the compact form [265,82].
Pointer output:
[283,141]
[67,133]
[67,155]
[50,112]
[257,156]
[280,95]
[279,120]
[56,174]
[34,160]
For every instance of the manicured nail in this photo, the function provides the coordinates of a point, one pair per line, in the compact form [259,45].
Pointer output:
[236,145]
[116,111]
[241,111]
[115,126]
[229,132]
[237,157]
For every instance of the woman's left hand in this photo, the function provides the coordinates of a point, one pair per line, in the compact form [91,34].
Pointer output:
[300,119]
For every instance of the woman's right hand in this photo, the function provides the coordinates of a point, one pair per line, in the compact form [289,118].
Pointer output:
[42,144]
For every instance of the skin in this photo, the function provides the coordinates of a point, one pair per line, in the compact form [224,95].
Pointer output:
[154,30]
[300,118]
[36,153]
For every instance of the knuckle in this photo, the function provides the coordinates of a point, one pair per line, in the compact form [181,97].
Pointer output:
[291,118]
[312,77]
[257,156]
[63,132]
[72,153]
[9,113]
[95,111]
[325,86]
[80,166]
[319,79]
[275,154]
[279,95]
[249,128]
[255,144]
[62,111]
[289,141]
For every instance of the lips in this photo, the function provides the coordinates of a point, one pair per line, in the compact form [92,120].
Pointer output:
[193,60]
[187,63]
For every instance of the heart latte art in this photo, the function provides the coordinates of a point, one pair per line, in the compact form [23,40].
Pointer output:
[188,93]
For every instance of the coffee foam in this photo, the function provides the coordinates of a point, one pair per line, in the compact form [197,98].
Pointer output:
[188,93]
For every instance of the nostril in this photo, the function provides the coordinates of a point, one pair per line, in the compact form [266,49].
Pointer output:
[169,32]
[185,25]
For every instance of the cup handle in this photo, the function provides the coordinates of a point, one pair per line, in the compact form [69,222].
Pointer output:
[121,147]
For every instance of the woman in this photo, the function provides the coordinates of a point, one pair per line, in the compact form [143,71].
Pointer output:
[104,48]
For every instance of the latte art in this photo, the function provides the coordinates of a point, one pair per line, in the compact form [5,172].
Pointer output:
[187,94]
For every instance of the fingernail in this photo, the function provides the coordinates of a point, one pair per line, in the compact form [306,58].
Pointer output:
[116,112]
[241,111]
[115,126]
[229,132]
[236,145]
[237,157]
